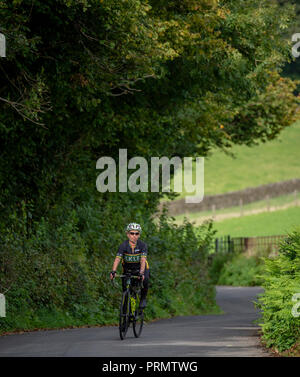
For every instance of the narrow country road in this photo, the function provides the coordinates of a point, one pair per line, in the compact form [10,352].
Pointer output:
[230,334]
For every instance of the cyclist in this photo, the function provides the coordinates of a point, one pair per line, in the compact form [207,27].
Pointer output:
[133,254]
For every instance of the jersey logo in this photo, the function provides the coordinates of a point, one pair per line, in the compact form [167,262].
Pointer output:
[132,258]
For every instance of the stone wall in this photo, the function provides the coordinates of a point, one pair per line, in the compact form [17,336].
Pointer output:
[235,198]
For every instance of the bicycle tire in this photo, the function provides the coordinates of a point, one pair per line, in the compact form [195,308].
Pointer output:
[138,320]
[124,320]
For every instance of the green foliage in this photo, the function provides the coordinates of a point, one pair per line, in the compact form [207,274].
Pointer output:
[281,329]
[241,271]
[292,69]
[217,262]
[294,27]
[84,78]
[180,271]
[55,273]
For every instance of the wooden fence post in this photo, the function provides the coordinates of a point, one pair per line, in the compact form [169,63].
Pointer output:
[217,245]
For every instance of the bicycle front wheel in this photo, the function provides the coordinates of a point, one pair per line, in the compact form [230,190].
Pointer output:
[124,315]
[138,319]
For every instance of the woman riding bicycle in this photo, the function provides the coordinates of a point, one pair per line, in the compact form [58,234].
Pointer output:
[133,254]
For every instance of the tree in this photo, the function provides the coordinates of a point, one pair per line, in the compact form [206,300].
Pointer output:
[292,69]
[85,78]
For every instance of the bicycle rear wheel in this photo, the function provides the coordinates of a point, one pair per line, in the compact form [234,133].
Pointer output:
[124,315]
[138,319]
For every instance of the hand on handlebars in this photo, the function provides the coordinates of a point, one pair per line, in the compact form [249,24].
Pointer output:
[112,275]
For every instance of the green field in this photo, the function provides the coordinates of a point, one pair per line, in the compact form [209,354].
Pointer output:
[263,224]
[283,200]
[274,161]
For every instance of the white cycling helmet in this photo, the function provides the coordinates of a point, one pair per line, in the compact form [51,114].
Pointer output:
[133,226]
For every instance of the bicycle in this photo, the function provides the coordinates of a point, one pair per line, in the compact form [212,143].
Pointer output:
[129,308]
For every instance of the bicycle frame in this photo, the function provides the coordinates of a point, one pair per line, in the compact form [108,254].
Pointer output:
[129,300]
[132,289]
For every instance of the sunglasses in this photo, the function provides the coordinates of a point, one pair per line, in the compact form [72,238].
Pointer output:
[134,234]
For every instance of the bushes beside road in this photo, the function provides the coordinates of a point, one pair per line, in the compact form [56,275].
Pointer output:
[280,302]
[236,269]
[55,272]
[241,271]
[280,277]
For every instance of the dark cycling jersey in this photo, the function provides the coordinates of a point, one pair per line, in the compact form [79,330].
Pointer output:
[131,259]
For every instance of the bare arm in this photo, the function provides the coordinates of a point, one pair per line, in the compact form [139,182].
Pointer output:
[143,264]
[115,266]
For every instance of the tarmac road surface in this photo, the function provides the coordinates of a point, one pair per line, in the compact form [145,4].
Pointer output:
[230,334]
